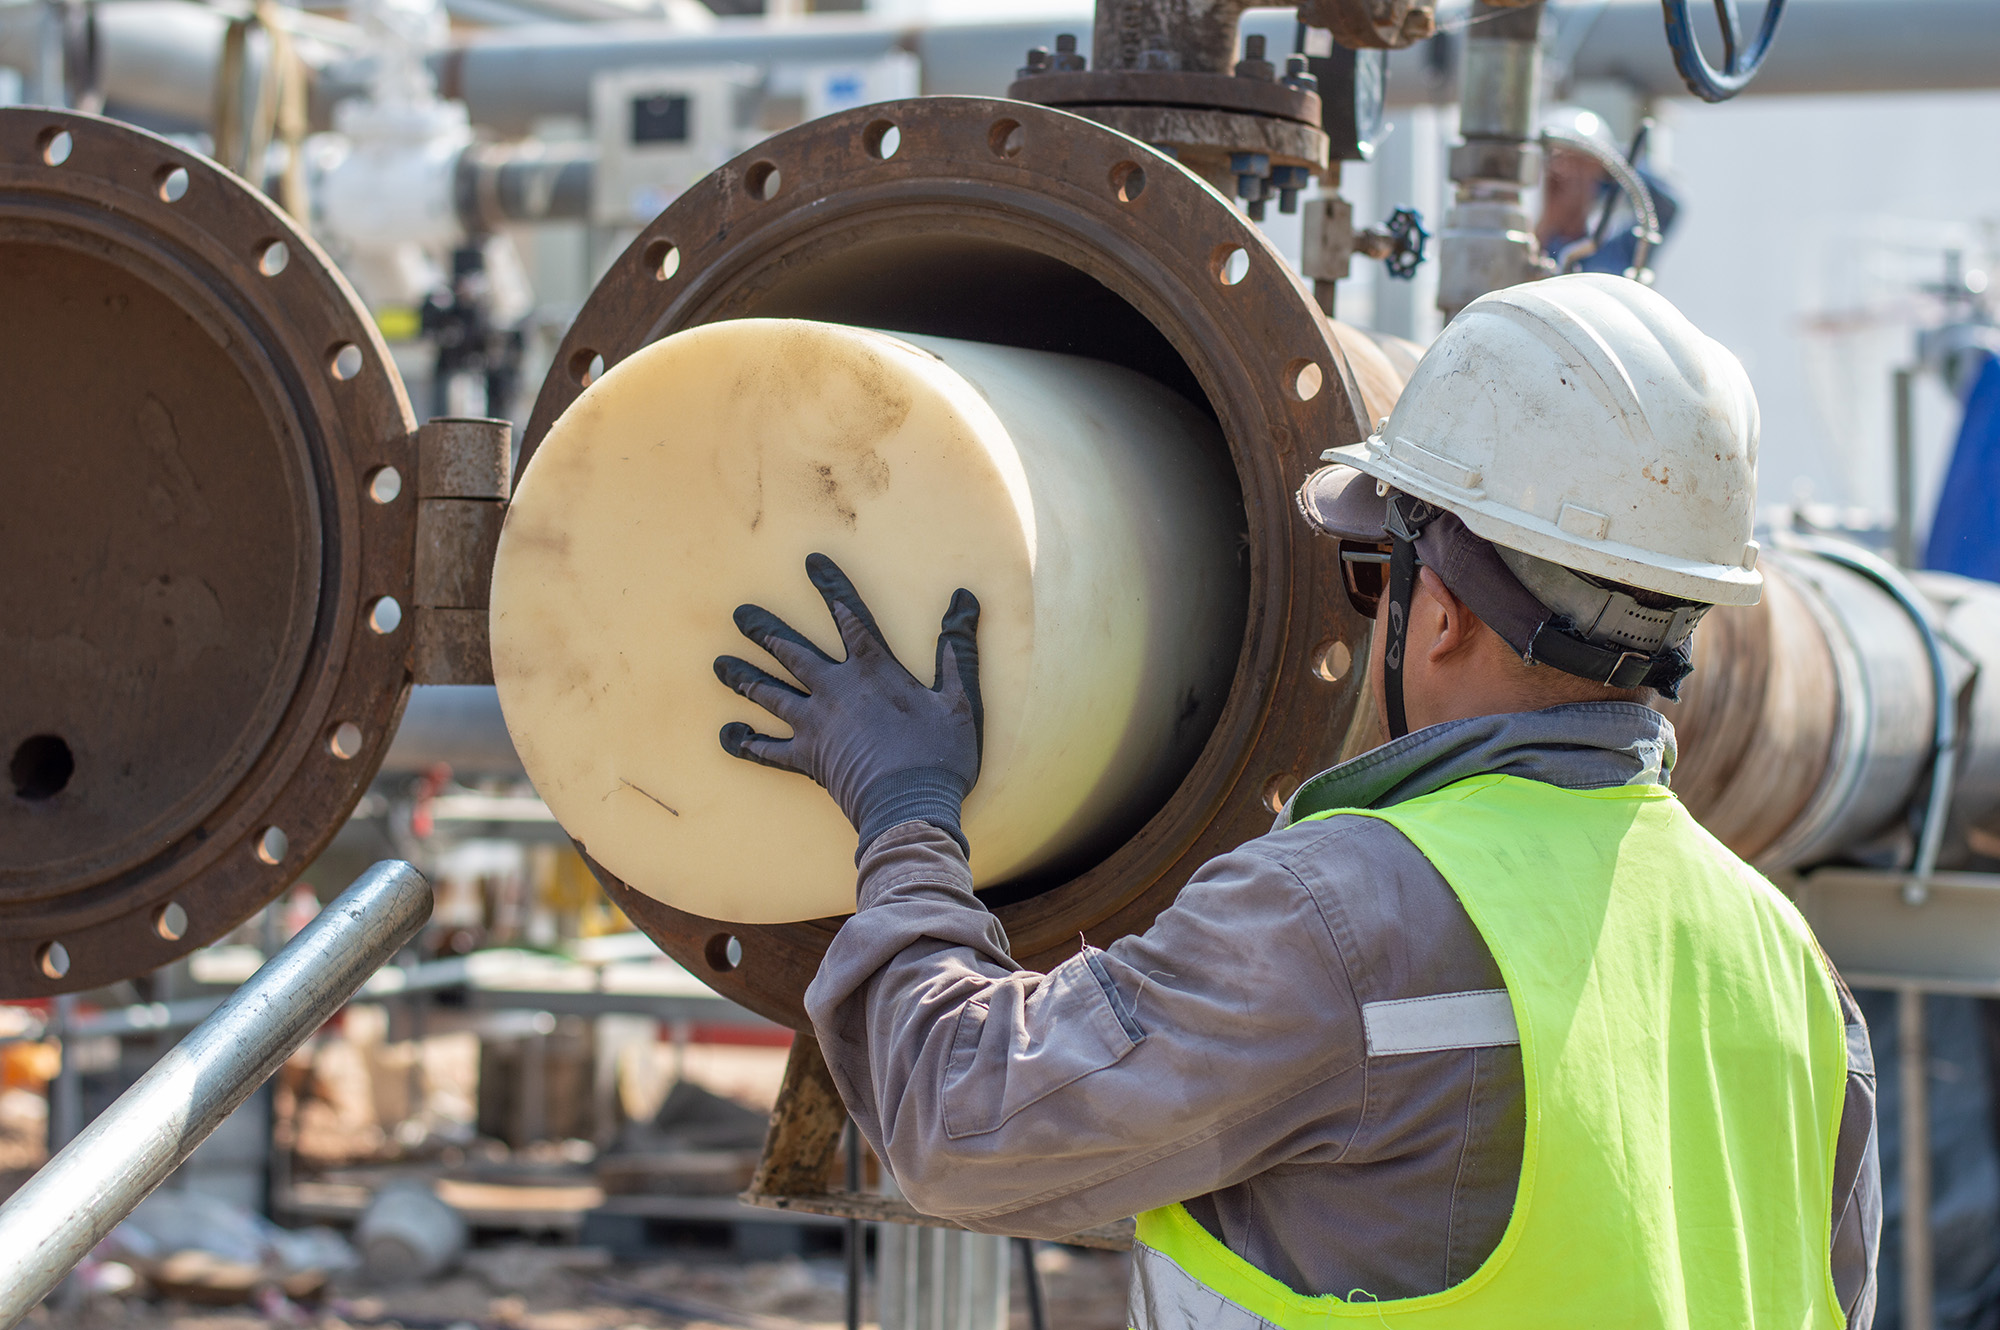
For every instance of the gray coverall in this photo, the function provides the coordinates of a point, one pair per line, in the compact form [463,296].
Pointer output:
[1219,1059]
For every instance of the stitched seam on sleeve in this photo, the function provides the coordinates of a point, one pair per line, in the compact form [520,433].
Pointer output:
[1353,992]
[1458,1173]
[1126,1020]
[951,1061]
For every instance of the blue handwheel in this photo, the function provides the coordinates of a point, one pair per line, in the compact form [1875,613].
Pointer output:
[1739,65]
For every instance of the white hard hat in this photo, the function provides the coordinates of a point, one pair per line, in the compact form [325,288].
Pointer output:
[1583,420]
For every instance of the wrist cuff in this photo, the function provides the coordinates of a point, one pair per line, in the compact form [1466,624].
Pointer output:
[919,794]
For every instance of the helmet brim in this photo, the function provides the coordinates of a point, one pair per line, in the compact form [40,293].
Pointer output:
[1339,501]
[1707,583]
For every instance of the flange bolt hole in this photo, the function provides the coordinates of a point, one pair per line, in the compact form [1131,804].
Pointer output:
[723,953]
[41,767]
[882,138]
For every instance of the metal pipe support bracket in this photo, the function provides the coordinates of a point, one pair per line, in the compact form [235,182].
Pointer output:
[1944,742]
[464,471]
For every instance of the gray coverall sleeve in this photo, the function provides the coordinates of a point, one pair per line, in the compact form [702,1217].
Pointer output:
[1121,1080]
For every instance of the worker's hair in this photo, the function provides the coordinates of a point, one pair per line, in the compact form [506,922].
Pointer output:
[1547,686]
[1537,686]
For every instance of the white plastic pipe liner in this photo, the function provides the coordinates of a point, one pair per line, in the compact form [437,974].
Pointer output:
[1092,511]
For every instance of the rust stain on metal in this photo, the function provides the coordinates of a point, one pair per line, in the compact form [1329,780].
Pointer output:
[188,557]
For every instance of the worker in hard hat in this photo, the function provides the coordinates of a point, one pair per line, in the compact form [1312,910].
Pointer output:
[1486,1031]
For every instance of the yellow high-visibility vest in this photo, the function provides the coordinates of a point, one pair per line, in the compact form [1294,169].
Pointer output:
[1684,1057]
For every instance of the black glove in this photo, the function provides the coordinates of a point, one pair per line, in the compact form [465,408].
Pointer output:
[887,748]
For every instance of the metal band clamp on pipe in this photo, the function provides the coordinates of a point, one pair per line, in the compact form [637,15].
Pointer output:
[1944,742]
[79,1196]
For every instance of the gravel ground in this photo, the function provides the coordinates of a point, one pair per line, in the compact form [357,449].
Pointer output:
[537,1288]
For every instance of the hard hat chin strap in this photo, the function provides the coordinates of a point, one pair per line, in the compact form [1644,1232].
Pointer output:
[1473,570]
[1406,521]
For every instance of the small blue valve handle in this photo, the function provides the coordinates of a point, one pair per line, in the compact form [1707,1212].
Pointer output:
[1406,227]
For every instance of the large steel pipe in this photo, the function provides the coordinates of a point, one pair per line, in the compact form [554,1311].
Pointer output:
[158,58]
[1825,47]
[1809,727]
[53,1221]
[1024,227]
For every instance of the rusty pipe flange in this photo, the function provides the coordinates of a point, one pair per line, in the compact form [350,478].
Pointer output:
[982,217]
[1203,120]
[1145,87]
[1207,141]
[206,555]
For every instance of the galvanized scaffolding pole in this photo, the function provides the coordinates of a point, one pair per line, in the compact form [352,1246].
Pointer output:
[64,1210]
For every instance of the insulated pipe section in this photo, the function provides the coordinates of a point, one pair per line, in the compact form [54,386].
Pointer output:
[1809,726]
[79,1196]
[499,185]
[459,725]
[158,58]
[511,78]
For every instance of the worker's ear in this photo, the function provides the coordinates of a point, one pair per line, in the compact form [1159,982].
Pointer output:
[1440,624]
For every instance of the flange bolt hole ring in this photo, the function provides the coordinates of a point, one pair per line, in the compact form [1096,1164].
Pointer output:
[663,260]
[1006,138]
[1128,181]
[170,921]
[1278,789]
[385,483]
[272,257]
[724,952]
[1332,660]
[52,959]
[171,182]
[40,767]
[763,180]
[1230,264]
[272,846]
[881,139]
[1303,380]
[344,741]
[586,367]
[344,361]
[385,616]
[55,146]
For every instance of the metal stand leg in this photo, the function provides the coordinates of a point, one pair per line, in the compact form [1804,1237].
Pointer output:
[66,1091]
[1912,1057]
[1031,1278]
[856,1236]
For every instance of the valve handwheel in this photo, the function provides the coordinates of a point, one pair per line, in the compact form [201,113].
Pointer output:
[1739,63]
[1406,228]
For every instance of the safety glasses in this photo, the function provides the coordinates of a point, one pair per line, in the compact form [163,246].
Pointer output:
[1365,570]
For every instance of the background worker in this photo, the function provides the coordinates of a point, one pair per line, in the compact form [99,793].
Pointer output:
[1487,1031]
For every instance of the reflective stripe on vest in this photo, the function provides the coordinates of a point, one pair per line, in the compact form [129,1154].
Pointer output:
[1684,1061]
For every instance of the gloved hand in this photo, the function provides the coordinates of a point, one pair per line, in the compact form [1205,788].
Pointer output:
[887,748]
